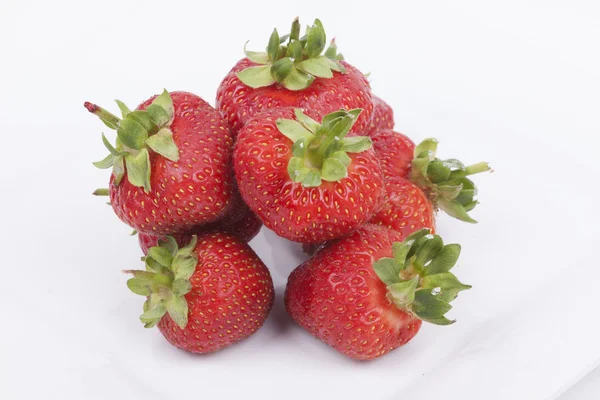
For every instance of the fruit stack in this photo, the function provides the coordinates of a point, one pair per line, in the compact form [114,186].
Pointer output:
[297,143]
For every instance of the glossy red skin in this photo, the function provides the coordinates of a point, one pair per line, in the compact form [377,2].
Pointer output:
[232,294]
[297,213]
[338,298]
[238,102]
[245,226]
[193,191]
[406,208]
[383,117]
[395,152]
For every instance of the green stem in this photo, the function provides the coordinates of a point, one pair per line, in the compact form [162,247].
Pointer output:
[295,31]
[477,168]
[103,114]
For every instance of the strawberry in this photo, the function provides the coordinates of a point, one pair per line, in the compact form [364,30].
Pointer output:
[395,152]
[406,208]
[205,296]
[366,294]
[293,73]
[383,117]
[174,151]
[244,226]
[307,181]
[430,185]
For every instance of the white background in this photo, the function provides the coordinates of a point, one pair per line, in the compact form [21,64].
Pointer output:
[516,83]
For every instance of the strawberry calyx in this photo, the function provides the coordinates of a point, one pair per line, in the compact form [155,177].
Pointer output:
[320,150]
[445,181]
[418,276]
[166,281]
[294,64]
[137,132]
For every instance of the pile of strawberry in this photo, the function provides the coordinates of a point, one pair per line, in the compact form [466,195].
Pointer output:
[299,144]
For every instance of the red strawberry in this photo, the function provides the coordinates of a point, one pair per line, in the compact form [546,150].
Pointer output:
[406,208]
[306,181]
[395,152]
[434,184]
[355,297]
[294,74]
[174,152]
[205,296]
[383,117]
[245,227]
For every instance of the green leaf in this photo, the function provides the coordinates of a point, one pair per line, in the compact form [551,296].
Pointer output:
[165,101]
[293,130]
[295,29]
[153,266]
[118,169]
[105,163]
[169,243]
[132,134]
[297,80]
[444,280]
[417,235]
[455,209]
[296,169]
[438,172]
[181,287]
[124,109]
[333,117]
[101,192]
[336,66]
[163,144]
[306,121]
[256,77]
[255,56]
[158,115]
[143,119]
[312,179]
[439,321]
[140,286]
[177,308]
[161,255]
[294,50]
[333,170]
[342,157]
[356,144]
[400,251]
[153,315]
[138,169]
[467,193]
[403,293]
[339,127]
[189,248]
[430,248]
[427,146]
[281,68]
[316,40]
[299,148]
[274,49]
[449,192]
[426,305]
[444,260]
[318,67]
[387,269]
[110,147]
[184,266]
